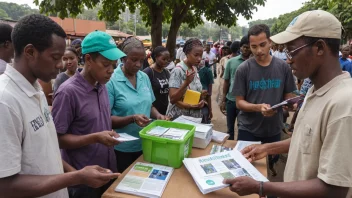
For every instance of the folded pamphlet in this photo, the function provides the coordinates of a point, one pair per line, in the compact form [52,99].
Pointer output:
[209,171]
[219,137]
[124,137]
[157,131]
[146,180]
[219,149]
[175,134]
[240,145]
[290,101]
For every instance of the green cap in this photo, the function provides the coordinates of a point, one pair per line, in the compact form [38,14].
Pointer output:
[103,43]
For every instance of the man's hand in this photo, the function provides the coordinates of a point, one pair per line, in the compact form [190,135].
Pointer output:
[266,110]
[210,114]
[141,120]
[107,138]
[243,185]
[96,176]
[255,152]
[223,106]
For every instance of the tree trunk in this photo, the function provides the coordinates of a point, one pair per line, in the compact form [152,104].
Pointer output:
[178,15]
[156,13]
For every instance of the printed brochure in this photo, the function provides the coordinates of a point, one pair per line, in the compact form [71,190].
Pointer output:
[146,180]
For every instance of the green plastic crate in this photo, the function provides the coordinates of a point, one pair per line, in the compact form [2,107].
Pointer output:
[165,151]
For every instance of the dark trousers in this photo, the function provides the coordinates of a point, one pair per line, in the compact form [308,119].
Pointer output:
[215,72]
[247,136]
[231,114]
[124,159]
[82,191]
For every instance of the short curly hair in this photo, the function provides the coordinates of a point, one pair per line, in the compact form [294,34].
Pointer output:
[37,30]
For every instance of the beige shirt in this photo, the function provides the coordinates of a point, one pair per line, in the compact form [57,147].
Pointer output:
[28,140]
[321,143]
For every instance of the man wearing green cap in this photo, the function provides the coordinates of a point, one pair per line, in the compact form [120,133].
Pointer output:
[82,113]
[319,152]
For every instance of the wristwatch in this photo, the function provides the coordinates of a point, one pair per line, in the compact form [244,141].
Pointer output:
[261,194]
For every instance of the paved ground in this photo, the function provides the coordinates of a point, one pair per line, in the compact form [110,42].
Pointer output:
[219,121]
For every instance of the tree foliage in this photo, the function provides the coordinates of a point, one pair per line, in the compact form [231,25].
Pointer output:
[342,9]
[157,12]
[284,20]
[14,11]
[269,22]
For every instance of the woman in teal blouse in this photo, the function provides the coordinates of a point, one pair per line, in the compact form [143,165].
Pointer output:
[131,98]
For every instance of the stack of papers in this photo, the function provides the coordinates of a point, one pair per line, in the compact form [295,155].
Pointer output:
[157,131]
[146,180]
[175,134]
[203,133]
[219,149]
[243,144]
[209,171]
[170,133]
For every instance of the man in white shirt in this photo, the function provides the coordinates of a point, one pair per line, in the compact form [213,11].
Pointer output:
[30,160]
[280,53]
[180,55]
[6,47]
[210,59]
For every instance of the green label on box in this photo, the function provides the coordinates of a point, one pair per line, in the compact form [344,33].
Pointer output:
[143,168]
[186,150]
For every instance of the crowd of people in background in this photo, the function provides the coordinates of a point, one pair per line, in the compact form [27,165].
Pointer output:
[103,88]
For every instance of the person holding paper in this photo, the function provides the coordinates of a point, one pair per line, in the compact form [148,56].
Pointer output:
[185,77]
[81,111]
[260,83]
[131,101]
[319,152]
[31,164]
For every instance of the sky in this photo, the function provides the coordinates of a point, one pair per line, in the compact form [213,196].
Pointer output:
[272,8]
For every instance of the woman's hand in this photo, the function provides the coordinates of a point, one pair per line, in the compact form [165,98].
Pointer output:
[141,120]
[189,77]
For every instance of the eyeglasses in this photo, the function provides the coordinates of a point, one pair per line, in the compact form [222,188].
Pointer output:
[289,54]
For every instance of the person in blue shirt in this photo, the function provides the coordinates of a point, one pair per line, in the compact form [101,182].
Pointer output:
[345,62]
[131,101]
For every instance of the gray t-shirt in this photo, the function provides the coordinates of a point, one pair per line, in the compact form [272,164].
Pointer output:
[259,85]
[61,78]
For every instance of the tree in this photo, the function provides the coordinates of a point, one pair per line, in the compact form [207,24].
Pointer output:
[155,12]
[3,14]
[269,22]
[284,20]
[342,10]
[15,11]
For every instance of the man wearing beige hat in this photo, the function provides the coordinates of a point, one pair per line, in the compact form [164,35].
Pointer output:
[320,158]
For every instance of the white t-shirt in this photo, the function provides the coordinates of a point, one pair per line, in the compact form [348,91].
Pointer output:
[2,66]
[211,57]
[28,140]
[180,54]
[280,55]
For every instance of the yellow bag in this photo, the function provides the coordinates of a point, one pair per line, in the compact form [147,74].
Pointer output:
[192,97]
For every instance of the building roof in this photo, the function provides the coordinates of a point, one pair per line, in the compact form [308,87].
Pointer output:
[78,27]
[8,21]
[118,34]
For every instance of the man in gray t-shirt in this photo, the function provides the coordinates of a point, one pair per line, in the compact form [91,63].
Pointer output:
[263,85]
[260,83]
